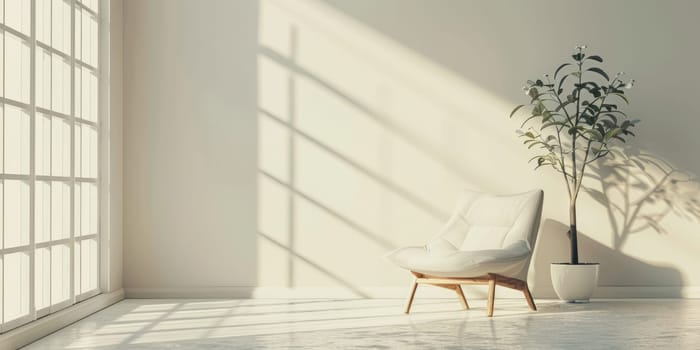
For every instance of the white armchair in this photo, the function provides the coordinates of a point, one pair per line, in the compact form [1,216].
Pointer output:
[488,240]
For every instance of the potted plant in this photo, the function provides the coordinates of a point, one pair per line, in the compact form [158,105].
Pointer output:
[574,118]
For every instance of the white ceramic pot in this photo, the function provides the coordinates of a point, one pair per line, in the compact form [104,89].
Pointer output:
[574,283]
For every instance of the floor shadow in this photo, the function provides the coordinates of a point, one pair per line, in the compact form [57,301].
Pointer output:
[616,268]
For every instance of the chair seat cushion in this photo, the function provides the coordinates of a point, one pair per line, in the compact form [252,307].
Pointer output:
[445,262]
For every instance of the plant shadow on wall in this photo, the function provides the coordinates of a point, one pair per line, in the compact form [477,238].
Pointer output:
[637,191]
[574,128]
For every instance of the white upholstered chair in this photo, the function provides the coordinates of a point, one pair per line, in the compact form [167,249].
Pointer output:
[489,239]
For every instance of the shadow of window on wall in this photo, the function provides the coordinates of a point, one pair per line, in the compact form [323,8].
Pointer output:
[354,158]
[364,143]
[284,202]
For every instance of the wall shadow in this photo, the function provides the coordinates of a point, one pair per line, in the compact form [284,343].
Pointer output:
[293,144]
[334,116]
[553,246]
[462,36]
[638,190]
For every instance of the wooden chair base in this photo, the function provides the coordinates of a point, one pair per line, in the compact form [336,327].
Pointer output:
[491,280]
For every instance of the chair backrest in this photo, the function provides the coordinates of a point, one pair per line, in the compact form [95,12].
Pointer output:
[486,221]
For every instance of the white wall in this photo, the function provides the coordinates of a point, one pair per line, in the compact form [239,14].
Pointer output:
[359,121]
[189,144]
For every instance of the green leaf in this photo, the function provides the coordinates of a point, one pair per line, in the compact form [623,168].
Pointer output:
[595,58]
[599,71]
[546,125]
[537,97]
[515,110]
[614,118]
[561,82]
[578,56]
[527,120]
[592,108]
[535,144]
[596,134]
[609,106]
[560,68]
[533,158]
[533,92]
[616,111]
[612,133]
[623,97]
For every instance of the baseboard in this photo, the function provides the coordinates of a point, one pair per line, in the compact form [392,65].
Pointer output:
[665,292]
[190,293]
[283,292]
[473,292]
[44,326]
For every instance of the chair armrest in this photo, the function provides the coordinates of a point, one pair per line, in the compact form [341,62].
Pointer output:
[440,247]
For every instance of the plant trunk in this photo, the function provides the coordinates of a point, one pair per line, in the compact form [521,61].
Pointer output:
[573,236]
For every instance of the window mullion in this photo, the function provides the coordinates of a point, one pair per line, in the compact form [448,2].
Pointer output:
[50,167]
[32,162]
[2,196]
[73,292]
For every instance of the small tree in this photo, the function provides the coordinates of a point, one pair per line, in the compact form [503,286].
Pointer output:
[574,118]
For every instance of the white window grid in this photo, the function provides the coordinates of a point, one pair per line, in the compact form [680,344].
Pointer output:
[33,252]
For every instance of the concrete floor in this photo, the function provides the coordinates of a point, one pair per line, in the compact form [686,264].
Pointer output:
[380,324]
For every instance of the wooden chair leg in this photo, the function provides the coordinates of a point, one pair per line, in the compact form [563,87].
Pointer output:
[528,297]
[410,297]
[492,295]
[462,299]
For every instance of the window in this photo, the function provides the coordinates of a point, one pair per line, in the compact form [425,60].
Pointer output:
[49,130]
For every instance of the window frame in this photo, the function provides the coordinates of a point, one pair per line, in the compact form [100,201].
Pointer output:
[32,178]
